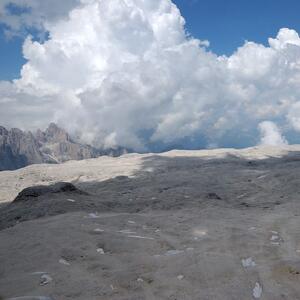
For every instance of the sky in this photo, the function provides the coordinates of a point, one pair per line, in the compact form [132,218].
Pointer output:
[11,57]
[225,23]
[228,23]
[154,74]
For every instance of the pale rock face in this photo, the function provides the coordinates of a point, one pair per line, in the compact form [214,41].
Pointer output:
[19,148]
[55,134]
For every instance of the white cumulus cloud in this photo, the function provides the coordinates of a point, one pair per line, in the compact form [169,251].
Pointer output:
[125,72]
[270,134]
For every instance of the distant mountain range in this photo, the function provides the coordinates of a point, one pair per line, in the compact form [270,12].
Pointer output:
[54,145]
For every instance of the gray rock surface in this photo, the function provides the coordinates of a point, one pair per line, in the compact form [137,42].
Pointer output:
[173,226]
[19,149]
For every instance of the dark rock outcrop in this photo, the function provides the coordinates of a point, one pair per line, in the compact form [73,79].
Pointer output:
[31,193]
[42,201]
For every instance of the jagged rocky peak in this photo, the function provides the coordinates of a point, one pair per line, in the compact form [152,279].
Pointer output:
[56,134]
[54,145]
[18,149]
[53,134]
[3,131]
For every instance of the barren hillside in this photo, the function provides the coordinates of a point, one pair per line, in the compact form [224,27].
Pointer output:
[216,224]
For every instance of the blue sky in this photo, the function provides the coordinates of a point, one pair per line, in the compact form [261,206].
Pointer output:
[225,23]
[11,58]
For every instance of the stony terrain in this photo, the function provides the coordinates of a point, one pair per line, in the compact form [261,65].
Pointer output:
[217,224]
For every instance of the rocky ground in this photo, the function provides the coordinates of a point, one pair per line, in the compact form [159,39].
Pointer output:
[217,225]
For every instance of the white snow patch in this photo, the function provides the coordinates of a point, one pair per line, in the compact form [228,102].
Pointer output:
[189,249]
[274,238]
[45,279]
[71,200]
[241,196]
[100,250]
[127,231]
[174,252]
[31,298]
[93,216]
[262,176]
[248,262]
[257,291]
[140,237]
[200,232]
[64,262]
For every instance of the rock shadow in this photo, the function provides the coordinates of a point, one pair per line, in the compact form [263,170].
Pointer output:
[168,183]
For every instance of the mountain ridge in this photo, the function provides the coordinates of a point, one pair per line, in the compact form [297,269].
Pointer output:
[54,145]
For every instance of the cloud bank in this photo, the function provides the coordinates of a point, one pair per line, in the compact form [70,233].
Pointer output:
[126,73]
